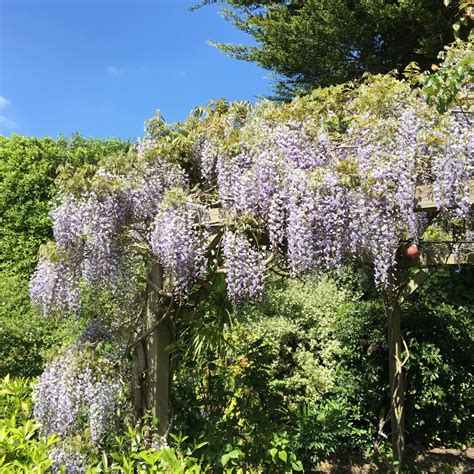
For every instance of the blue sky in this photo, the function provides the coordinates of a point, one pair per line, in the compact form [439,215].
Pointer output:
[102,67]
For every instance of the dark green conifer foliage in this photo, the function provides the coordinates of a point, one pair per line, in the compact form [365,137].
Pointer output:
[310,43]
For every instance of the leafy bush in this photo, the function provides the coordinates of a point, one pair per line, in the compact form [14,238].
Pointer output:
[440,388]
[130,452]
[311,360]
[279,357]
[452,83]
[21,447]
[26,337]
[440,395]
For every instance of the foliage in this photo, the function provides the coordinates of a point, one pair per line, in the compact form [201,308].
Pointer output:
[439,396]
[325,430]
[25,338]
[305,341]
[129,453]
[238,394]
[314,43]
[451,84]
[22,449]
[440,392]
[465,15]
[274,373]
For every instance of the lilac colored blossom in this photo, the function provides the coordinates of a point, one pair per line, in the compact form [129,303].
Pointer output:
[179,240]
[299,148]
[68,459]
[71,392]
[206,152]
[68,223]
[145,144]
[245,266]
[234,181]
[146,190]
[452,169]
[323,197]
[54,287]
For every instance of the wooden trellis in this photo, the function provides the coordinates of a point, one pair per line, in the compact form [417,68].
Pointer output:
[408,284]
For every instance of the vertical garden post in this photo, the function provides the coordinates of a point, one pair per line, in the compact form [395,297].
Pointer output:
[397,382]
[154,365]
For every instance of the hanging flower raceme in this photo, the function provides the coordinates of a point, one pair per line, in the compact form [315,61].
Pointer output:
[245,265]
[147,188]
[77,393]
[71,393]
[452,167]
[179,240]
[86,229]
[54,286]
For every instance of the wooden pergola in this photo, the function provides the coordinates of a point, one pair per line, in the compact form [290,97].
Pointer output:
[408,282]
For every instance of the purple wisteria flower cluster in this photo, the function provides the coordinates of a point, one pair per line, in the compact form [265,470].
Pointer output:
[67,459]
[179,240]
[71,393]
[325,200]
[54,286]
[245,266]
[92,232]
[322,191]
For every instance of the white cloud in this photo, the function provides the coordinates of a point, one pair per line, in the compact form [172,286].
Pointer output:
[4,102]
[114,70]
[7,123]
[181,74]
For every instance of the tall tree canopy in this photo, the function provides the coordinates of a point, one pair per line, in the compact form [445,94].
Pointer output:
[309,43]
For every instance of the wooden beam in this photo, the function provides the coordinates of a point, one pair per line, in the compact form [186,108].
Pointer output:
[436,260]
[413,283]
[442,260]
[425,200]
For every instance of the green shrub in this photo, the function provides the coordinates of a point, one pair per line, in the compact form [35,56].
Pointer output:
[22,449]
[440,386]
[25,336]
[440,393]
[311,360]
[133,451]
[278,356]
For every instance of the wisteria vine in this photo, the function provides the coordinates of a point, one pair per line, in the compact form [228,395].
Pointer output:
[320,192]
[315,187]
[74,390]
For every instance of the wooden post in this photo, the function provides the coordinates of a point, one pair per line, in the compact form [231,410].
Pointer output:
[157,375]
[150,381]
[407,284]
[397,383]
